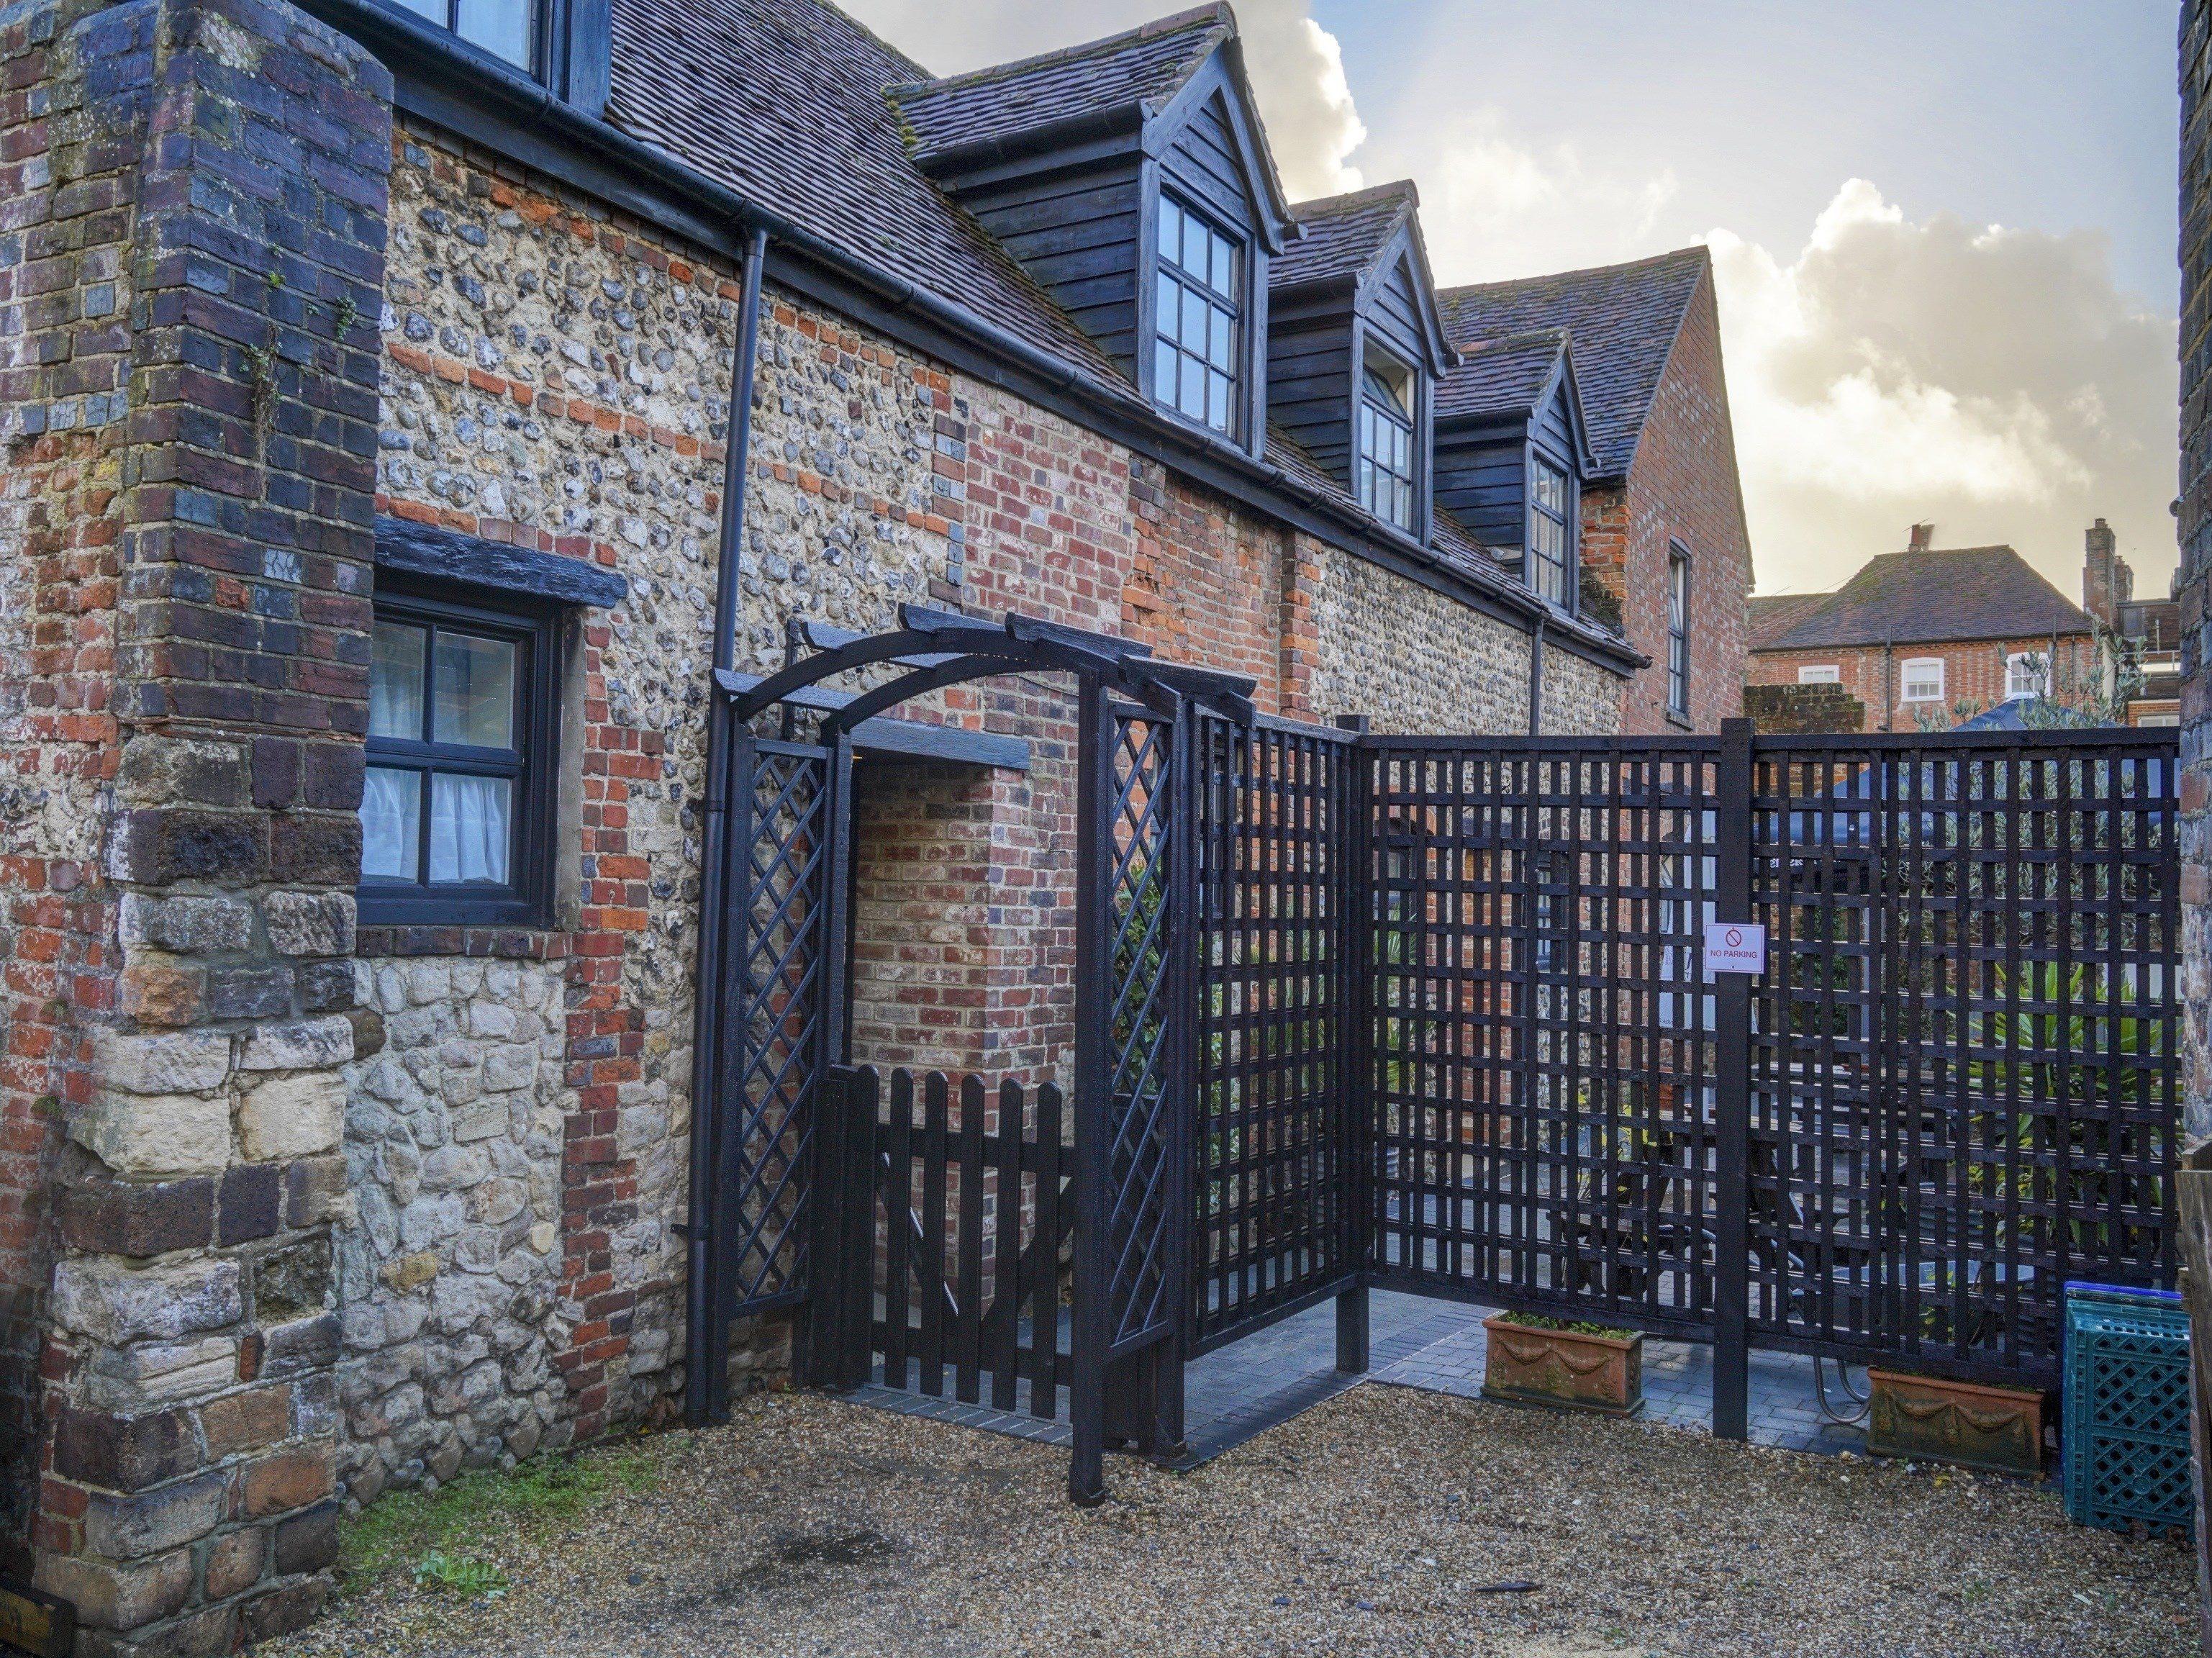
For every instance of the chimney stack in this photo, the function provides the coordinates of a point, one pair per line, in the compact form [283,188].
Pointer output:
[2107,582]
[1924,538]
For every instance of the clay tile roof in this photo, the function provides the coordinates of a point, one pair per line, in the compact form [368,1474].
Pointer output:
[1502,376]
[1343,235]
[1624,318]
[1773,615]
[1932,596]
[782,100]
[1140,70]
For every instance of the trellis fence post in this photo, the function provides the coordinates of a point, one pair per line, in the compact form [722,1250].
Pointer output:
[1732,1104]
[1094,920]
[1351,890]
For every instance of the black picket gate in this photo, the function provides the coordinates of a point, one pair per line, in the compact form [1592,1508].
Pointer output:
[1433,1014]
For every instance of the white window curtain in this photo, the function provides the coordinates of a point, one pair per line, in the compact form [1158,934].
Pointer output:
[470,827]
[390,807]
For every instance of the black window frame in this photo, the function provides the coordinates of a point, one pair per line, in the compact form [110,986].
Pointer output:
[1236,305]
[1678,630]
[1403,418]
[1538,460]
[534,625]
[547,19]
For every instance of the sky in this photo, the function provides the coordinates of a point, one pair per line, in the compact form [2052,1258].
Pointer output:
[1943,234]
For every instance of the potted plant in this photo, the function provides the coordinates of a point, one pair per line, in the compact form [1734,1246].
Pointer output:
[1937,1420]
[1555,1361]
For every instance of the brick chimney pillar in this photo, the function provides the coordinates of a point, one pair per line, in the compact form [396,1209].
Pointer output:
[199,429]
[1924,538]
[2100,594]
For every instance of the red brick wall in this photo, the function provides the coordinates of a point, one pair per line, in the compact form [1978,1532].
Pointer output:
[1682,487]
[1207,584]
[1973,671]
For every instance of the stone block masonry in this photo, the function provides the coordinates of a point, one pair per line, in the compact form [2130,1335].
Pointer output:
[191,248]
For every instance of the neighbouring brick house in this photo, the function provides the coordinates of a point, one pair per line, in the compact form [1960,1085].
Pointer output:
[1663,544]
[367,391]
[1929,636]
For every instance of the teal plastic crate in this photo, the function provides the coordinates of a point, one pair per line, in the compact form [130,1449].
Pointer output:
[2125,1417]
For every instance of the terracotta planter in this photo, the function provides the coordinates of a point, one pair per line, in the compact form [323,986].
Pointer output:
[1564,1366]
[1963,1421]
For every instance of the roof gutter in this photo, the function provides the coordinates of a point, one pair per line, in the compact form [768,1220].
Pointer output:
[534,107]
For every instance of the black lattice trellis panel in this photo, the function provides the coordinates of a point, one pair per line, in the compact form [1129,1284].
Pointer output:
[772,1020]
[1276,1180]
[1140,1201]
[1964,1063]
[1543,1057]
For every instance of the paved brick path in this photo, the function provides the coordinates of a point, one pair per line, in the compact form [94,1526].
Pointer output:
[1252,1384]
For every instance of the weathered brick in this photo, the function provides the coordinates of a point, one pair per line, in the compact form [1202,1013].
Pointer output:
[114,1597]
[110,1218]
[156,1136]
[292,1282]
[282,1610]
[248,1421]
[308,1542]
[291,1481]
[233,1562]
[249,1203]
[126,1454]
[295,1116]
[128,1527]
[160,844]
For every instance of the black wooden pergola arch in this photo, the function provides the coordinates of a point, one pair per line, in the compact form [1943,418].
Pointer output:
[782,1020]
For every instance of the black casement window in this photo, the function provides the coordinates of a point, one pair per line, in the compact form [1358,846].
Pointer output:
[1551,556]
[508,29]
[456,810]
[1678,632]
[1386,443]
[1198,318]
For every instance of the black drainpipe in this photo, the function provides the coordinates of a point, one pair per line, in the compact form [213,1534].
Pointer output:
[1536,680]
[706,1025]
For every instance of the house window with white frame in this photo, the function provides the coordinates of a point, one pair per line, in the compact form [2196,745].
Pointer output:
[2028,673]
[1822,673]
[1923,680]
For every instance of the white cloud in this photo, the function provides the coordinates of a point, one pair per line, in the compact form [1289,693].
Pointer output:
[1495,206]
[1298,80]
[1994,381]
[1296,68]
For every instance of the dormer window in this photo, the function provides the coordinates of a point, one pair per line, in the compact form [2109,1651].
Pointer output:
[1549,547]
[1386,441]
[1200,290]
[508,29]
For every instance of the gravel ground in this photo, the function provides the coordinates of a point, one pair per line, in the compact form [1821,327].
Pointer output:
[1380,1523]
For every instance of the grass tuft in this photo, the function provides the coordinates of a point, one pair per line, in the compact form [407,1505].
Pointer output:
[461,1575]
[458,1521]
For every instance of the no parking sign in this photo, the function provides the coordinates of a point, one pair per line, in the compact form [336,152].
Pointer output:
[1736,947]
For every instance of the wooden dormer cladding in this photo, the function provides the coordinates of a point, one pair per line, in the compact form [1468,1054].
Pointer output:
[1510,404]
[1354,290]
[1063,159]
